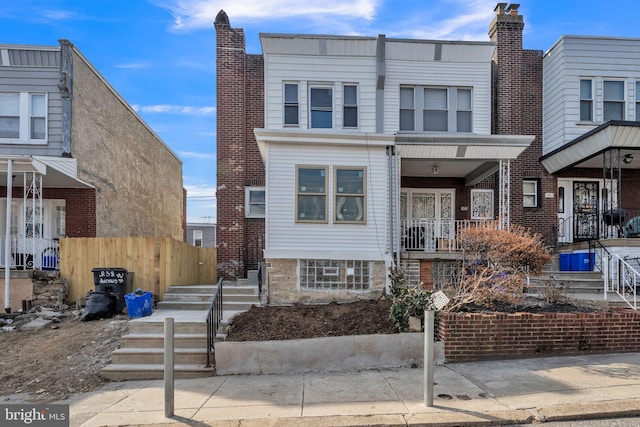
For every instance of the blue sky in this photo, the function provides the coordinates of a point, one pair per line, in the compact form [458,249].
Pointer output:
[160,54]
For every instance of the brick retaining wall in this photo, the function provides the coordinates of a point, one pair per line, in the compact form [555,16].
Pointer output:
[480,336]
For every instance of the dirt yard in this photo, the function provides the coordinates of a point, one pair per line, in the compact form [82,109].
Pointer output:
[65,358]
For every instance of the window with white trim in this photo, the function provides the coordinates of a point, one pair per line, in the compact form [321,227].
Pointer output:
[321,107]
[311,194]
[613,100]
[350,106]
[350,195]
[481,204]
[291,106]
[530,193]
[407,109]
[441,109]
[586,100]
[254,202]
[23,117]
[197,238]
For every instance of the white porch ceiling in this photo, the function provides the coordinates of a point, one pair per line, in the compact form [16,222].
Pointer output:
[587,151]
[57,172]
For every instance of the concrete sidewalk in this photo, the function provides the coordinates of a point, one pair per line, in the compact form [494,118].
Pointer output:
[480,393]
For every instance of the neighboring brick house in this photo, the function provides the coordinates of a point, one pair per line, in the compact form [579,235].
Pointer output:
[359,175]
[80,161]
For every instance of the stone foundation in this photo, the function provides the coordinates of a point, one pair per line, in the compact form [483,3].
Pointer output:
[283,285]
[49,289]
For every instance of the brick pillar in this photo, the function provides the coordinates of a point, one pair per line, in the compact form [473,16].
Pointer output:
[517,110]
[230,127]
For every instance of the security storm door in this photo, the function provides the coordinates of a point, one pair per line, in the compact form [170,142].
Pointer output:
[585,210]
[431,212]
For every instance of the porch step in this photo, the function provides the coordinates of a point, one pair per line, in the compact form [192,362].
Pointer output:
[130,372]
[156,340]
[145,356]
[574,282]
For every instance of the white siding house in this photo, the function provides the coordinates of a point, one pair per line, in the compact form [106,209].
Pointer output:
[591,104]
[376,151]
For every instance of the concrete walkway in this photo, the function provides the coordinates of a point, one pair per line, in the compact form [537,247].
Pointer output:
[480,393]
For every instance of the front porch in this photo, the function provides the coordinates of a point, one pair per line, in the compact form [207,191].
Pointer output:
[30,253]
[437,236]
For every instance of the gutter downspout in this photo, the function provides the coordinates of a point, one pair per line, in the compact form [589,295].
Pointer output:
[7,239]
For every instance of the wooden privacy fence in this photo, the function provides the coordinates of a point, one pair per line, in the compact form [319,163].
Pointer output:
[156,263]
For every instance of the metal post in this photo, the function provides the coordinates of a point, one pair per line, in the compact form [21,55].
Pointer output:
[7,239]
[428,357]
[168,368]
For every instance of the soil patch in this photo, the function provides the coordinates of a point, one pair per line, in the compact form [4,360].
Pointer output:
[312,321]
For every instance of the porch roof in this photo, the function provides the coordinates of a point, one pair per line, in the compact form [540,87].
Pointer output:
[471,156]
[587,150]
[57,172]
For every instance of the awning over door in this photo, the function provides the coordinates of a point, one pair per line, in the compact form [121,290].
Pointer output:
[57,172]
[587,150]
[471,156]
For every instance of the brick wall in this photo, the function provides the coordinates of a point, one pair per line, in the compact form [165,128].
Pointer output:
[240,106]
[517,104]
[476,336]
[80,207]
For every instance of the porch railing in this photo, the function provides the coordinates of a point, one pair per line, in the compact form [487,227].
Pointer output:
[31,253]
[622,278]
[431,235]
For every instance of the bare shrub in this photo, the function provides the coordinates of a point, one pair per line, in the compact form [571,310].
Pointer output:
[494,266]
[554,292]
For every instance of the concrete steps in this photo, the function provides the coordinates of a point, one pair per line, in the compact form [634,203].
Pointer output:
[141,352]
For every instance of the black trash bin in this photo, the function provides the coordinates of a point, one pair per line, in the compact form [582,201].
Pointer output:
[112,281]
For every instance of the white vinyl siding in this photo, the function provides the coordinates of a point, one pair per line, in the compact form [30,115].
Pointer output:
[290,238]
[600,59]
[330,72]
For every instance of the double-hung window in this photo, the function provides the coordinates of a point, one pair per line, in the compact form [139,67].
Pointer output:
[463,114]
[23,117]
[291,106]
[530,189]
[436,106]
[254,202]
[407,109]
[197,238]
[321,107]
[613,100]
[311,194]
[586,100]
[350,106]
[350,195]
[440,109]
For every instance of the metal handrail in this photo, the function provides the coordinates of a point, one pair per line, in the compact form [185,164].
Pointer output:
[214,318]
[600,252]
[620,277]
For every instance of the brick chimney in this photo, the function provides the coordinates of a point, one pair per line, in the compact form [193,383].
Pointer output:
[240,109]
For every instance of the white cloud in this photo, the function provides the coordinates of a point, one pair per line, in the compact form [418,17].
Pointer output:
[201,192]
[133,66]
[174,109]
[189,14]
[194,155]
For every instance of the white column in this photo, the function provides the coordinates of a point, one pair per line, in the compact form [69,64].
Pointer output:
[7,239]
[504,194]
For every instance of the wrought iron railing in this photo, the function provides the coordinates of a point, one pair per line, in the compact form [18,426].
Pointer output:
[251,255]
[214,318]
[29,253]
[432,235]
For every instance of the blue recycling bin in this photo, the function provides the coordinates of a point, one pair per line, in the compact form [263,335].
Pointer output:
[582,261]
[565,262]
[139,304]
